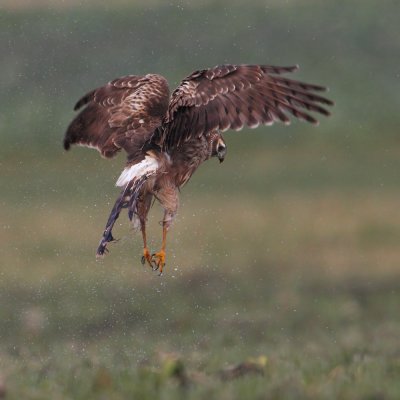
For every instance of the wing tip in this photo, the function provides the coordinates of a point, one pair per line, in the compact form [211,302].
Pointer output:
[79,104]
[318,88]
[84,100]
[329,102]
[66,144]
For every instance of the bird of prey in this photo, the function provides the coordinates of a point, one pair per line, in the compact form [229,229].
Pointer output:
[166,138]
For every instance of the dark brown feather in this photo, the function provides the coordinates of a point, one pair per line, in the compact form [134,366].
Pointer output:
[232,96]
[120,115]
[125,113]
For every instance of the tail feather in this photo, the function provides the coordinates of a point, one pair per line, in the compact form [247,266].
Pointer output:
[135,195]
[127,198]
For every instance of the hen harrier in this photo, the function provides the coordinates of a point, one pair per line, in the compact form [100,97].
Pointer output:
[167,138]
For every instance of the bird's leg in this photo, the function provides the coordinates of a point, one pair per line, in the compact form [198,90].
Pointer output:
[142,208]
[146,254]
[158,258]
[168,197]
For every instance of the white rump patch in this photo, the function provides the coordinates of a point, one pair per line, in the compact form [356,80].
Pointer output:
[145,167]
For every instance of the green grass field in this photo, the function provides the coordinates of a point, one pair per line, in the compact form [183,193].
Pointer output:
[282,275]
[307,277]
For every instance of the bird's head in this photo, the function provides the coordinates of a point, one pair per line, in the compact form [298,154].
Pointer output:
[218,148]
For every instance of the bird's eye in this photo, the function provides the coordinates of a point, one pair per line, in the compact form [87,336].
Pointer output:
[220,148]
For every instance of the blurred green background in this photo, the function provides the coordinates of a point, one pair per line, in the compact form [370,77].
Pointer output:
[288,250]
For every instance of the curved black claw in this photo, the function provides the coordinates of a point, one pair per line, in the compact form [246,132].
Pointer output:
[102,249]
[158,261]
[146,258]
[155,267]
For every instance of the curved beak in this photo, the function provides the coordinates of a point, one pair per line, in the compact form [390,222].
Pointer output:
[221,157]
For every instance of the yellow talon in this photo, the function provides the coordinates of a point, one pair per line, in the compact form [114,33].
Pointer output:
[158,259]
[146,257]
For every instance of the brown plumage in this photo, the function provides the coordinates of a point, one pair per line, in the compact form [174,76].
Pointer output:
[167,138]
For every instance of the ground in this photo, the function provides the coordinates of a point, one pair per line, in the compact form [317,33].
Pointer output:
[292,257]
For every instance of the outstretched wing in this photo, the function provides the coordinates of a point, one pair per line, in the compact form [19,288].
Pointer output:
[120,115]
[232,96]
